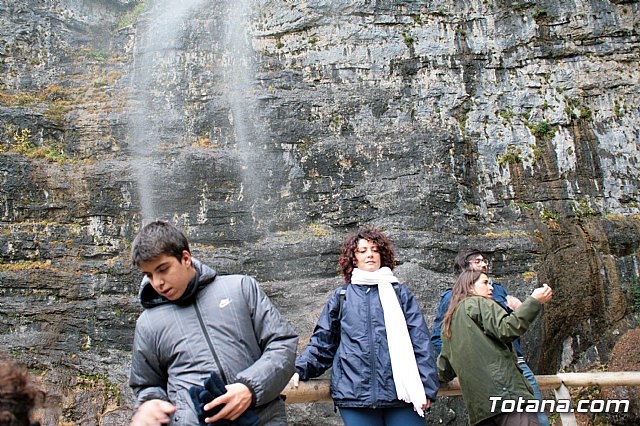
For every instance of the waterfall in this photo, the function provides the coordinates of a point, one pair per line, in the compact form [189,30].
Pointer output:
[157,45]
[239,76]
[158,127]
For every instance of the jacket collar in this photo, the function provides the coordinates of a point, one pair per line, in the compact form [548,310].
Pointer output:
[149,298]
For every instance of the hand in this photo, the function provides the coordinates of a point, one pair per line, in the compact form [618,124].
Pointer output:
[153,413]
[513,302]
[236,401]
[426,405]
[294,381]
[542,294]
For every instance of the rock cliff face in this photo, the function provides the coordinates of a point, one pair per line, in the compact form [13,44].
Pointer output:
[269,129]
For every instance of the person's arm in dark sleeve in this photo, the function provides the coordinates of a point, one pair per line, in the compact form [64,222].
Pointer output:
[436,339]
[323,344]
[147,378]
[268,375]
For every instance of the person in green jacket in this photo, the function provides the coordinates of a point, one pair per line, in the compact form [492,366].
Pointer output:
[476,347]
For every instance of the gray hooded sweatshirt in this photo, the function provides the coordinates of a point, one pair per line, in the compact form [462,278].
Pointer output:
[221,323]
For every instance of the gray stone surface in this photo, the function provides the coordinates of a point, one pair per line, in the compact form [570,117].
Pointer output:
[269,129]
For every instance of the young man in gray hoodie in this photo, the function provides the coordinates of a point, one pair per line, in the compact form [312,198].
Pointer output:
[195,323]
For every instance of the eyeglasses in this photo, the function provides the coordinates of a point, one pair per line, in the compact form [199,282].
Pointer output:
[480,261]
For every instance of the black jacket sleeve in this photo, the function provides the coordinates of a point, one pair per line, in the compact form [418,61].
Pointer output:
[323,344]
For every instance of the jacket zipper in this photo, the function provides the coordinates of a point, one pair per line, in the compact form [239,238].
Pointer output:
[208,339]
[372,353]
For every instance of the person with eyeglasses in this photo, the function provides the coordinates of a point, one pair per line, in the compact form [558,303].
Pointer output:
[472,259]
[477,336]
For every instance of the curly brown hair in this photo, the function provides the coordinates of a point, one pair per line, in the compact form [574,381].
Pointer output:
[347,260]
[18,396]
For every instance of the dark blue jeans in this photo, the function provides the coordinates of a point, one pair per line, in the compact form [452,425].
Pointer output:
[397,416]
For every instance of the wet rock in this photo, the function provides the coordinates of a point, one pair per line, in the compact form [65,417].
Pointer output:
[511,128]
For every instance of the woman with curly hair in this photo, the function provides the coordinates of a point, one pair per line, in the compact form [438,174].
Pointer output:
[373,335]
[18,396]
[477,336]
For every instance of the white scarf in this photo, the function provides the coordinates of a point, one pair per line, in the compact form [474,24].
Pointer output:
[406,376]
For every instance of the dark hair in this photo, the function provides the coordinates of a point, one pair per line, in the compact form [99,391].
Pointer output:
[18,396]
[158,238]
[347,258]
[461,263]
[461,290]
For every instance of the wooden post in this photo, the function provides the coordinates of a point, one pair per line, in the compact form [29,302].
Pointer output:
[318,390]
[566,419]
[450,389]
[309,391]
[603,379]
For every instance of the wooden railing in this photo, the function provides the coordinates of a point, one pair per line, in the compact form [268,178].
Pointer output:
[318,390]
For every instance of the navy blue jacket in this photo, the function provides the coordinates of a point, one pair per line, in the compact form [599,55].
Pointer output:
[499,295]
[357,350]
